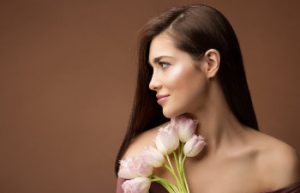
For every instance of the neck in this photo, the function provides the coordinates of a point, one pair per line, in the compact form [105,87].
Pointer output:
[217,124]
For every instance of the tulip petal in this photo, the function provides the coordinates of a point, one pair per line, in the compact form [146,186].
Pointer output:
[194,146]
[134,167]
[185,127]
[153,156]
[166,140]
[136,185]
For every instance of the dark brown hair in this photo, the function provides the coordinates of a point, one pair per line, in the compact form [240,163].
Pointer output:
[195,29]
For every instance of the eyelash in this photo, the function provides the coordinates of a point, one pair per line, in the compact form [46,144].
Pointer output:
[164,63]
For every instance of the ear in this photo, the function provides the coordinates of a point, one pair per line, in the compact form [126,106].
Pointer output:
[211,62]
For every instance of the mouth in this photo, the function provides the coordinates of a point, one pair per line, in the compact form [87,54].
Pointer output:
[162,99]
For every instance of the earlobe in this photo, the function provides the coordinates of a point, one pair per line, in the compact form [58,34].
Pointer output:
[212,59]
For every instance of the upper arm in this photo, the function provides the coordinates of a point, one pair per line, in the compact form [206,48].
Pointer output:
[134,149]
[119,185]
[282,166]
[288,164]
[136,146]
[139,143]
[144,139]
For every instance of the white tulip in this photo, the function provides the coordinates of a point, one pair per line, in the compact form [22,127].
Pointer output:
[134,167]
[166,140]
[185,127]
[136,185]
[193,146]
[153,157]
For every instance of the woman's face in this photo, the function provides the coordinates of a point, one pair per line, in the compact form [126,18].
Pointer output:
[180,84]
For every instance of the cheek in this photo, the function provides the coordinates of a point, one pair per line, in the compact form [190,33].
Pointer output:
[186,80]
[187,89]
[191,88]
[174,77]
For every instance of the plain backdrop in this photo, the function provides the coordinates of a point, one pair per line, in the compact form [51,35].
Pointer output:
[67,79]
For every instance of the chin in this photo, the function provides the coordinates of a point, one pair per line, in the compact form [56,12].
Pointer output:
[168,113]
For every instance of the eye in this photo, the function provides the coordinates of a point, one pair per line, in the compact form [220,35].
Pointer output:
[164,64]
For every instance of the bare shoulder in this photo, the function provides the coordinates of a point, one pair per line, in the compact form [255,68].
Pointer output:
[141,141]
[278,162]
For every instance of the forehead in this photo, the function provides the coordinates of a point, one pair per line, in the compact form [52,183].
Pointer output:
[162,45]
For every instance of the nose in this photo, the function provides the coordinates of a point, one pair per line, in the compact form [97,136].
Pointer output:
[155,83]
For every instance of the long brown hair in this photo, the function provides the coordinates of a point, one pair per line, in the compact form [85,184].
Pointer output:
[195,28]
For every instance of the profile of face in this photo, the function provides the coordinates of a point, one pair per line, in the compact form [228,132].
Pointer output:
[181,82]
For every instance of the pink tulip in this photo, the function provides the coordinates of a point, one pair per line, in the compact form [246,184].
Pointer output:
[136,185]
[167,140]
[134,167]
[193,146]
[153,157]
[185,127]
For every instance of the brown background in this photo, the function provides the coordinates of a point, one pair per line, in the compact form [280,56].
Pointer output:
[67,75]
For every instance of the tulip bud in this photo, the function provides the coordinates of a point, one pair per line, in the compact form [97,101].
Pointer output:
[166,140]
[185,127]
[153,157]
[136,185]
[193,146]
[134,167]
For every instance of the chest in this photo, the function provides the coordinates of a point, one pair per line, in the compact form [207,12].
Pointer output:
[222,177]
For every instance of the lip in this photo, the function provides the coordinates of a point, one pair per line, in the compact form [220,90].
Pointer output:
[161,99]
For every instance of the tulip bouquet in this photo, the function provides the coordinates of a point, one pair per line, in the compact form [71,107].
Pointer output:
[175,141]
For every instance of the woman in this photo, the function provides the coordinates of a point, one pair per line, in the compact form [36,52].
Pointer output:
[190,64]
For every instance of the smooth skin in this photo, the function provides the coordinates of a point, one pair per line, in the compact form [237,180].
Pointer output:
[237,159]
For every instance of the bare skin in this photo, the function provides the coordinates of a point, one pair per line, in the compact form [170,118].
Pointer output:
[259,164]
[237,159]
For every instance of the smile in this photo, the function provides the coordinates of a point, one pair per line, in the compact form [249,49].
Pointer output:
[162,100]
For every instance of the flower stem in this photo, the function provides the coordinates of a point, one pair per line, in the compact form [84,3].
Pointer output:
[172,171]
[183,175]
[178,167]
[171,188]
